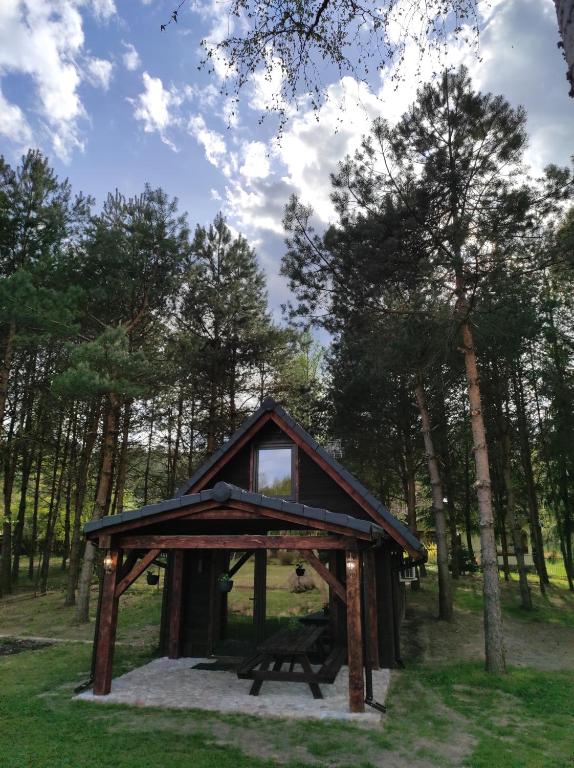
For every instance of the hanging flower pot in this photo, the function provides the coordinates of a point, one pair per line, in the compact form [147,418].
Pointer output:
[300,570]
[152,578]
[224,583]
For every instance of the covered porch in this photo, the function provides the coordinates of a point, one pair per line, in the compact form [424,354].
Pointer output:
[199,532]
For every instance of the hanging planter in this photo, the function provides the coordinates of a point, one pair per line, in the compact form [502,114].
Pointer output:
[300,570]
[224,583]
[152,578]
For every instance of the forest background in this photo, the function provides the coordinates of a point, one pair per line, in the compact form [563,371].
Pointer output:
[132,346]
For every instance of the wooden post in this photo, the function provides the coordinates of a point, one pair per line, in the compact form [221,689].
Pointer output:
[175,600]
[260,594]
[371,614]
[107,625]
[354,633]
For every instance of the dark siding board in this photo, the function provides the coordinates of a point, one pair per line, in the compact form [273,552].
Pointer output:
[236,471]
[196,603]
[317,489]
[271,433]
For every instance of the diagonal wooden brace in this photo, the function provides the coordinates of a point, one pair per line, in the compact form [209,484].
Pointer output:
[136,571]
[325,574]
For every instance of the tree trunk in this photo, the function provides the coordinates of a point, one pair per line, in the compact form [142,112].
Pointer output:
[148,456]
[92,421]
[7,353]
[99,510]
[409,480]
[19,530]
[466,509]
[565,527]
[8,459]
[493,634]
[191,451]
[536,540]
[446,464]
[177,443]
[118,506]
[565,14]
[54,507]
[34,531]
[513,521]
[69,481]
[444,582]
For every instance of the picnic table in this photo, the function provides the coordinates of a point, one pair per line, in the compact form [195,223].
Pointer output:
[292,647]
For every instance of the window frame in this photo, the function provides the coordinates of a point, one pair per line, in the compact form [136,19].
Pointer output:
[274,447]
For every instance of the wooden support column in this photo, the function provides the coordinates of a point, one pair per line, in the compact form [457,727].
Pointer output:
[260,594]
[354,633]
[108,619]
[371,613]
[175,606]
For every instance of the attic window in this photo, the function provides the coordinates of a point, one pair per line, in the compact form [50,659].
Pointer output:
[275,472]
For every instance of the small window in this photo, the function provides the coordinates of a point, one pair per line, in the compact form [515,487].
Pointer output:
[275,472]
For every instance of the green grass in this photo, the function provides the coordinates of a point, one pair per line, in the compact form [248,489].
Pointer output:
[441,712]
[556,607]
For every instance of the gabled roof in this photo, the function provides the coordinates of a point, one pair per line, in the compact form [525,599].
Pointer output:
[270,409]
[226,493]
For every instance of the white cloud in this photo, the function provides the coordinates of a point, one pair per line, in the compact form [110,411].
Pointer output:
[131,57]
[42,39]
[266,86]
[222,23]
[213,144]
[103,9]
[152,107]
[100,72]
[13,123]
[255,161]
[214,195]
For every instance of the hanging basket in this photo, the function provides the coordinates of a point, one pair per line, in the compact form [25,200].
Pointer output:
[152,579]
[225,585]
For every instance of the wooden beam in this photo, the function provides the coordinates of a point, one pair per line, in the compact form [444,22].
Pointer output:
[260,594]
[136,571]
[371,612]
[325,574]
[240,542]
[221,514]
[276,514]
[175,606]
[354,633]
[239,564]
[107,627]
[141,522]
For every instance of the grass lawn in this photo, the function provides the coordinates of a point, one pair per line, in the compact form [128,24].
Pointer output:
[443,710]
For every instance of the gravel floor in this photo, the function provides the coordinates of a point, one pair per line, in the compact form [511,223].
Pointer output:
[173,683]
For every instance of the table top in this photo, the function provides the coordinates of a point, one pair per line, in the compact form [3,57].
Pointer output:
[292,641]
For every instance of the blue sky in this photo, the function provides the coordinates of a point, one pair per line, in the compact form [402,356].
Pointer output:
[115,103]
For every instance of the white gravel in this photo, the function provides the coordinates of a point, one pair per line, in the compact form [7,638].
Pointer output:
[173,683]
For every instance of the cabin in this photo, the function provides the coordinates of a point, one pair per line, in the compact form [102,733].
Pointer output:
[269,487]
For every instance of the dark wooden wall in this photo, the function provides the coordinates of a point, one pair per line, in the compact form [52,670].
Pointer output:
[315,486]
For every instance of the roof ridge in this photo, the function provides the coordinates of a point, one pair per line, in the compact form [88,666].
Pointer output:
[270,404]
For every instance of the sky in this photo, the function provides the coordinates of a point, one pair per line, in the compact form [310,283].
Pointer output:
[115,103]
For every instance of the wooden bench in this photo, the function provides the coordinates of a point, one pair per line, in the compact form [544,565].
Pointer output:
[291,646]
